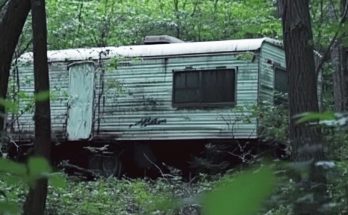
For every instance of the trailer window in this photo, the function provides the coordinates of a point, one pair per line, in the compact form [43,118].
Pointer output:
[195,88]
[280,85]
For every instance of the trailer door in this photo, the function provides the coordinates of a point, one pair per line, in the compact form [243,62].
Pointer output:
[81,85]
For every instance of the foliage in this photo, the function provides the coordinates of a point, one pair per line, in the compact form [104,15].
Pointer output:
[110,22]
[15,175]
[293,174]
[324,19]
[313,117]
[169,195]
[337,139]
[75,23]
[273,121]
[114,196]
[338,188]
[282,199]
[125,196]
[241,194]
[287,193]
[334,130]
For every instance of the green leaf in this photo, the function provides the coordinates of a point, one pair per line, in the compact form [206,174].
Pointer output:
[8,208]
[38,167]
[3,194]
[314,116]
[9,105]
[8,166]
[57,180]
[23,95]
[13,180]
[42,96]
[240,195]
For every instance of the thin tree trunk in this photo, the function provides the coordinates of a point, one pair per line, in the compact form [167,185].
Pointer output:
[36,199]
[280,7]
[13,16]
[340,76]
[305,141]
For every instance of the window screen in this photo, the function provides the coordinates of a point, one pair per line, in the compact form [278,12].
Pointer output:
[204,87]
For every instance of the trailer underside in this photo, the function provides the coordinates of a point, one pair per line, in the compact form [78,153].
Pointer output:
[151,158]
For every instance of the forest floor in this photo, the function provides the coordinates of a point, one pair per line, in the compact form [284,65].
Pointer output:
[173,194]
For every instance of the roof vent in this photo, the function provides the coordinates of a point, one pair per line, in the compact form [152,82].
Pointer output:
[161,39]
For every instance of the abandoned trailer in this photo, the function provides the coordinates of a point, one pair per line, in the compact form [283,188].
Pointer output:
[148,102]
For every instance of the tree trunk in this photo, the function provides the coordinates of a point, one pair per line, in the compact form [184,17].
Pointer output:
[280,7]
[36,199]
[305,140]
[13,16]
[298,43]
[340,75]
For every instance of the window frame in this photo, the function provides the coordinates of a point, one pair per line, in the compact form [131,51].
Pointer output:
[201,104]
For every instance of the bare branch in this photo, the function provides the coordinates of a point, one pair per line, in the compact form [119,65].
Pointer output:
[2,5]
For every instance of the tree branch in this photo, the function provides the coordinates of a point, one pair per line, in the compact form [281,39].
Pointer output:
[332,42]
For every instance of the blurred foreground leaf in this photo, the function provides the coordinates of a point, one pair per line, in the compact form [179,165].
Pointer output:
[242,194]
[9,106]
[38,167]
[314,116]
[42,96]
[8,208]
[8,166]
[57,180]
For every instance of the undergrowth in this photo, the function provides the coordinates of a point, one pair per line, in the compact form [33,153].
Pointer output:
[170,196]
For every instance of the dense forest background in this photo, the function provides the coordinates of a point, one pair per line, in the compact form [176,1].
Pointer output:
[72,24]
[102,23]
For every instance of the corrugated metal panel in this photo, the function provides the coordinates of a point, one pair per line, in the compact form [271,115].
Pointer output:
[21,125]
[155,50]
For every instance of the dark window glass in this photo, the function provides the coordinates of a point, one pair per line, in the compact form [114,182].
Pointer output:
[281,80]
[280,86]
[204,87]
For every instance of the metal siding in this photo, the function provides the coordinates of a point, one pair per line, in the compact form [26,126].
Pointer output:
[276,55]
[134,101]
[142,108]
[22,123]
[266,79]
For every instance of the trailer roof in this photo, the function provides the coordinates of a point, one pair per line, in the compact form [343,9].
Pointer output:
[174,49]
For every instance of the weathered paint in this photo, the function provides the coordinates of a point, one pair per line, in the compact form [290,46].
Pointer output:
[81,86]
[134,100]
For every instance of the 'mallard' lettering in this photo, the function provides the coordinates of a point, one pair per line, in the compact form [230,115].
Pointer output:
[149,121]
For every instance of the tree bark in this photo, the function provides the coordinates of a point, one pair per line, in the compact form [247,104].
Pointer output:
[13,16]
[305,140]
[340,75]
[36,199]
[280,7]
[300,64]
